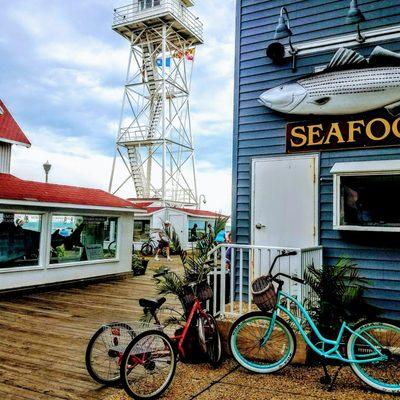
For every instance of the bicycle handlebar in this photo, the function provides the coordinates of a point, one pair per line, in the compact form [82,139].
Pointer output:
[293,277]
[283,254]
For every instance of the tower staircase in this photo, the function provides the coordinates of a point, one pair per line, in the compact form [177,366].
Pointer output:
[141,181]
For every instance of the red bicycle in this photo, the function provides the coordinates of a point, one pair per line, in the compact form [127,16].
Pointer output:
[149,362]
[145,362]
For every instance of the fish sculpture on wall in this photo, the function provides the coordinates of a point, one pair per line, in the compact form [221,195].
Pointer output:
[350,84]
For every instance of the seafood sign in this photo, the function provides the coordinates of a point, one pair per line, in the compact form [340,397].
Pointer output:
[350,84]
[350,133]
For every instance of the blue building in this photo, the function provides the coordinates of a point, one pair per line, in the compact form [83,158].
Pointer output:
[320,163]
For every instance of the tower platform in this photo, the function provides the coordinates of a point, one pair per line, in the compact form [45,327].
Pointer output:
[146,14]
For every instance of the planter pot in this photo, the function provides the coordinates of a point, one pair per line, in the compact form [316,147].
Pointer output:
[140,270]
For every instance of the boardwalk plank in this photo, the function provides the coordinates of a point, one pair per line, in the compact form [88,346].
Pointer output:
[43,337]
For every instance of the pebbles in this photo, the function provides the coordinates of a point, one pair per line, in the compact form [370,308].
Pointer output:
[228,383]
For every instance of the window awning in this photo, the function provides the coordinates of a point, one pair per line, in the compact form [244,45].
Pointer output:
[391,166]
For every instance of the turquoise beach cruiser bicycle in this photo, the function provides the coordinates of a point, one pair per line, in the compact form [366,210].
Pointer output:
[264,342]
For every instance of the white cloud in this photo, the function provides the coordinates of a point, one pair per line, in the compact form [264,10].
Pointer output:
[216,185]
[74,163]
[81,72]
[86,53]
[73,86]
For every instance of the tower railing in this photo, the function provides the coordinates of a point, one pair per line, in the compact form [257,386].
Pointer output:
[144,9]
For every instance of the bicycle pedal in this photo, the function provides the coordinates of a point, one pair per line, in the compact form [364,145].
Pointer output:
[325,380]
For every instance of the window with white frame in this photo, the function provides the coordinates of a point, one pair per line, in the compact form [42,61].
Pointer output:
[367,196]
[141,230]
[76,238]
[197,229]
[19,239]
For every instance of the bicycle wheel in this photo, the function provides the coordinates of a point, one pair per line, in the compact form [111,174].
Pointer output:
[148,365]
[105,350]
[210,339]
[382,375]
[147,249]
[245,340]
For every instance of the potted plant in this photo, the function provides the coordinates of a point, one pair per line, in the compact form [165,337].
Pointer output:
[139,265]
[195,266]
[338,296]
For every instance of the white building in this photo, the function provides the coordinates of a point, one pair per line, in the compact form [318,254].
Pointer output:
[56,233]
[188,223]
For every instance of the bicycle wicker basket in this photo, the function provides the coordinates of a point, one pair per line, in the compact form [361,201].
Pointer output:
[264,293]
[202,290]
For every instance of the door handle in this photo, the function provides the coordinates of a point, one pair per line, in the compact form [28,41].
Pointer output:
[260,226]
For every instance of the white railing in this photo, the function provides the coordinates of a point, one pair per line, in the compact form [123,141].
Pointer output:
[238,265]
[140,10]
[140,134]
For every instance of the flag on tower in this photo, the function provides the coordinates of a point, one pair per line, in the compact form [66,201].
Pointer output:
[190,54]
[167,62]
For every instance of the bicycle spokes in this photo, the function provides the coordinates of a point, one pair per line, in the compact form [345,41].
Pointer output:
[249,349]
[150,363]
[384,374]
[105,352]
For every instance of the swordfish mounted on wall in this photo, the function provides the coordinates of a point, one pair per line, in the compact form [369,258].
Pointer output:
[350,84]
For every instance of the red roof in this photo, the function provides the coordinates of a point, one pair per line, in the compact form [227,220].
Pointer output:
[201,213]
[13,188]
[144,204]
[190,211]
[10,132]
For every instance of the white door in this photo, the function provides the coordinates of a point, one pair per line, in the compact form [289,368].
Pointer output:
[285,201]
[179,222]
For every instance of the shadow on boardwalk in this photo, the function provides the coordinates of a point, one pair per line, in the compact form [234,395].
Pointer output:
[43,338]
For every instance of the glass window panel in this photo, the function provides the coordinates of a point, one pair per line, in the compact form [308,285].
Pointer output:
[82,238]
[370,200]
[141,231]
[197,229]
[19,239]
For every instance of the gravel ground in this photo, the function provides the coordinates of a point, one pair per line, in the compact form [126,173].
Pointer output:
[230,382]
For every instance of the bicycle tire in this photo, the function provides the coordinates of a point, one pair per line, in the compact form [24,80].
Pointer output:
[254,361]
[374,333]
[125,372]
[146,250]
[210,339]
[92,370]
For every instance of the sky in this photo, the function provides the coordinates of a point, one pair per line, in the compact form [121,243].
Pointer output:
[62,71]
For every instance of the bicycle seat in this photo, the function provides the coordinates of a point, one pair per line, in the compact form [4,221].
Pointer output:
[152,304]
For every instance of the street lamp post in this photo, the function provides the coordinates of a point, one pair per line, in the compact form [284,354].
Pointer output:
[202,196]
[47,168]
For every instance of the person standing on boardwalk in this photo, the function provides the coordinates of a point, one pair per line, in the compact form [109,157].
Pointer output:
[210,230]
[163,241]
[193,233]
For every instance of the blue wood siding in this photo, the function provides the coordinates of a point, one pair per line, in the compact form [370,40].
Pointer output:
[259,131]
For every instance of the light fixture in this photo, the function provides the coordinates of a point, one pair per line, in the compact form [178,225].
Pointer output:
[276,50]
[47,168]
[202,196]
[283,30]
[355,16]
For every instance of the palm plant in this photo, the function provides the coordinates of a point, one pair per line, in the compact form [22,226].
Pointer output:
[195,266]
[339,296]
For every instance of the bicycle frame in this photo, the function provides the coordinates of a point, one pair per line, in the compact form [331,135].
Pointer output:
[180,339]
[332,353]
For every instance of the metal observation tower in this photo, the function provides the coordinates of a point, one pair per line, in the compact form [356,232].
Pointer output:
[154,140]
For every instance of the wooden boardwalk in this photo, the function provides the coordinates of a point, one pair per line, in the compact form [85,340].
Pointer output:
[43,337]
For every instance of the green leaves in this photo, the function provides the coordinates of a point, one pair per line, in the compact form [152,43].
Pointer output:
[195,266]
[339,291]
